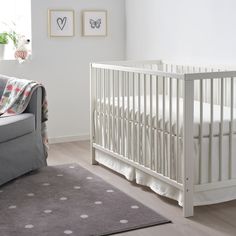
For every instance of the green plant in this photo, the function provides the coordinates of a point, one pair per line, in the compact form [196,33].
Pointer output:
[10,34]
[14,37]
[4,38]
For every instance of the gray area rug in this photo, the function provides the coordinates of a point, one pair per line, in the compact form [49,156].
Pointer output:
[69,200]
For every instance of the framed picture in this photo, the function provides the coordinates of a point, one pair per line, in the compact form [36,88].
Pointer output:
[61,23]
[94,23]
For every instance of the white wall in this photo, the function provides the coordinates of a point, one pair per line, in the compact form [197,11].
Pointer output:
[62,64]
[184,31]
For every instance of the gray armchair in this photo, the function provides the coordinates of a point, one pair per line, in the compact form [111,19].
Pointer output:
[21,147]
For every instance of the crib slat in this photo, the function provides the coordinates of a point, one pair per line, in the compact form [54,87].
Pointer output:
[109,108]
[157,145]
[211,133]
[128,117]
[104,108]
[163,124]
[177,132]
[200,131]
[221,128]
[133,134]
[150,128]
[188,69]
[219,89]
[113,111]
[123,114]
[139,119]
[170,133]
[205,87]
[100,107]
[118,114]
[231,127]
[96,105]
[145,121]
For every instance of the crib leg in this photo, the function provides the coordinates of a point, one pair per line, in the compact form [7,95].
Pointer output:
[188,208]
[93,161]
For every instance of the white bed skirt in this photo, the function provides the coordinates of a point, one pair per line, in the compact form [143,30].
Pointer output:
[163,189]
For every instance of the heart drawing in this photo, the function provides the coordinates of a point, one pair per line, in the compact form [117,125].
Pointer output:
[61,22]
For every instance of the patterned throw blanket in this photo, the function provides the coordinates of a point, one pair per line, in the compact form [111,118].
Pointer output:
[16,97]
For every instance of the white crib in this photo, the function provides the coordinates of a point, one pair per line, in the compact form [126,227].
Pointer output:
[169,127]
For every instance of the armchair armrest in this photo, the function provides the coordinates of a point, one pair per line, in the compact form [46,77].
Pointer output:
[35,107]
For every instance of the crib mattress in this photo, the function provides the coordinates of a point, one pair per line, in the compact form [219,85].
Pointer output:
[131,112]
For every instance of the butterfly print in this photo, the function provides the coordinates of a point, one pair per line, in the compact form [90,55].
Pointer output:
[95,23]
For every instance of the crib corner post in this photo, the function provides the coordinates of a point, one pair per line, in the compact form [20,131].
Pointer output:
[92,149]
[188,148]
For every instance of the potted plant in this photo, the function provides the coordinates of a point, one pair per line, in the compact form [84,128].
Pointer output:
[3,41]
[18,42]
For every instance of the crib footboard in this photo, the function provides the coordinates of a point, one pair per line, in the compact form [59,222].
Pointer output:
[143,115]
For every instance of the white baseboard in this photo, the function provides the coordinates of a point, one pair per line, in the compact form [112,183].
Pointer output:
[66,139]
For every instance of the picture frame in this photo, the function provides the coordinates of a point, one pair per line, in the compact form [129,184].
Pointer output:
[61,23]
[94,23]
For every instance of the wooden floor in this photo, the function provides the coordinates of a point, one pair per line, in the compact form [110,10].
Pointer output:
[214,220]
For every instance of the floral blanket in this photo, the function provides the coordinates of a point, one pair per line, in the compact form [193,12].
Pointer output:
[16,97]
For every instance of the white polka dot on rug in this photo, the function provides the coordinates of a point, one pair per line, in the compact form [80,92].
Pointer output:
[83,216]
[63,198]
[89,177]
[60,175]
[71,167]
[134,207]
[30,194]
[110,191]
[47,211]
[12,207]
[124,221]
[46,184]
[68,232]
[76,187]
[29,226]
[98,202]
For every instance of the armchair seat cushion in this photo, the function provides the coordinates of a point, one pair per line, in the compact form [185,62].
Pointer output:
[12,127]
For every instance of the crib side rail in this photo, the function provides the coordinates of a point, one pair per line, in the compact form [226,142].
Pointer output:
[145,70]
[209,75]
[145,118]
[132,118]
